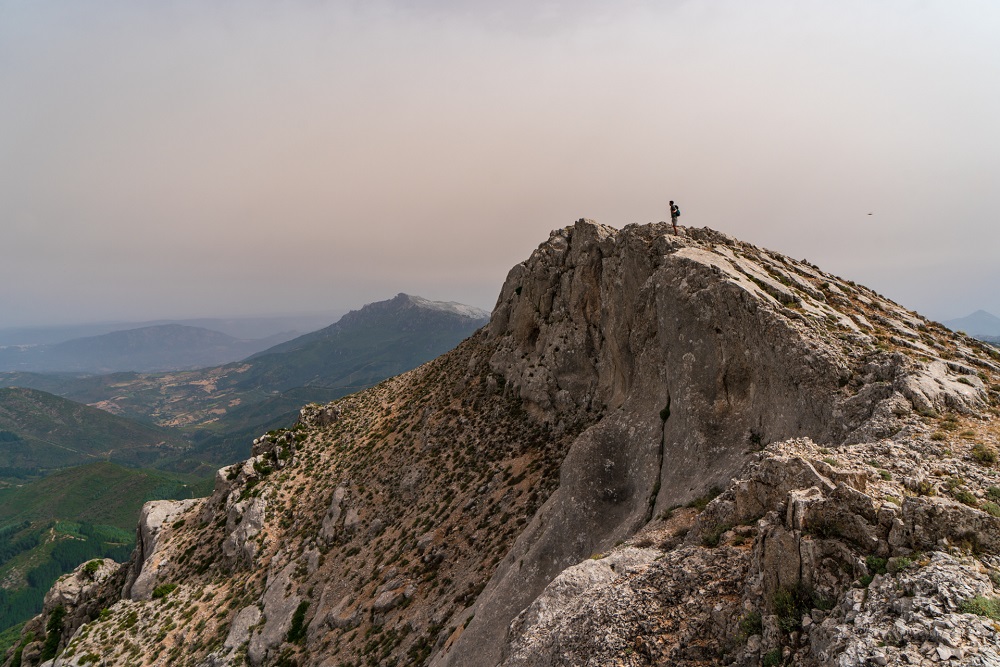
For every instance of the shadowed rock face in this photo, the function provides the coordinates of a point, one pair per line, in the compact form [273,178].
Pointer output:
[691,364]
[446,516]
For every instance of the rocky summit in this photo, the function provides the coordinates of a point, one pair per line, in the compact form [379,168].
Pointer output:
[661,450]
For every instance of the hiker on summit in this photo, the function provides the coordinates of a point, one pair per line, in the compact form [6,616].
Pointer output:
[675,212]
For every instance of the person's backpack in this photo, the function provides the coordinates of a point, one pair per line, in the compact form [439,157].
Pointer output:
[677,211]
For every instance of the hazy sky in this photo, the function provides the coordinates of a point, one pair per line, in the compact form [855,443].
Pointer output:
[180,159]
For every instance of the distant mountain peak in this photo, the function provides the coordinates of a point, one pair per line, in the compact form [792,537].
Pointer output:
[401,313]
[445,306]
[403,303]
[979,323]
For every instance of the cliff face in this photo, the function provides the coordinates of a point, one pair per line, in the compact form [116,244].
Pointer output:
[694,351]
[449,515]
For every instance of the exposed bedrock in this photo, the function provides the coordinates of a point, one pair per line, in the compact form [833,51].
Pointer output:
[691,365]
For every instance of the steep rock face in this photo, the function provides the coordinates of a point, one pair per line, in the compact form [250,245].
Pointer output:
[690,353]
[449,515]
[156,516]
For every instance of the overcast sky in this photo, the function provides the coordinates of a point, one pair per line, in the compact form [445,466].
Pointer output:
[189,158]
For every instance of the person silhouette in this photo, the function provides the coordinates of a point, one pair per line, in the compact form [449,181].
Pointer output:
[675,212]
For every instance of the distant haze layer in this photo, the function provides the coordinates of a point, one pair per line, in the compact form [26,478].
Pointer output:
[190,159]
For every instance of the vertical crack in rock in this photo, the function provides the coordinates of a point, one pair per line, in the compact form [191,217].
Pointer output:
[664,415]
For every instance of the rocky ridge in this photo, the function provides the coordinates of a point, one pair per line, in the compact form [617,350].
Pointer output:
[661,450]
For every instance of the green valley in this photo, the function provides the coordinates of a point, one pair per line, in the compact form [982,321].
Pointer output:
[51,525]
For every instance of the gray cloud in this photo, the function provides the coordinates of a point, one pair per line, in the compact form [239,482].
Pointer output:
[184,159]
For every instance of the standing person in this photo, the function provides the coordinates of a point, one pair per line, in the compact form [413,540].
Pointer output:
[675,212]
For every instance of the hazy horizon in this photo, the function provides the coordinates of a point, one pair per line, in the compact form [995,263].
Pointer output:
[187,160]
[333,312]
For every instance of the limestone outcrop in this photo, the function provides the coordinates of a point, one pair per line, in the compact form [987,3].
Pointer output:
[807,558]
[662,449]
[155,519]
[718,349]
[71,602]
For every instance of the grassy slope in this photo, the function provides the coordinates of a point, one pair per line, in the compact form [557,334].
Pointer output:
[100,493]
[434,459]
[52,432]
[76,387]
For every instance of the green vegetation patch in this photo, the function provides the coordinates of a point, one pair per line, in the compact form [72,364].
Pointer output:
[701,502]
[10,637]
[43,431]
[772,658]
[163,590]
[297,630]
[751,624]
[98,493]
[876,564]
[790,604]
[984,453]
[53,633]
[712,537]
[982,606]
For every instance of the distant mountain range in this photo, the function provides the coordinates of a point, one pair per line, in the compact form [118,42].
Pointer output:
[221,408]
[164,347]
[979,324]
[245,328]
[366,346]
[380,340]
